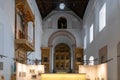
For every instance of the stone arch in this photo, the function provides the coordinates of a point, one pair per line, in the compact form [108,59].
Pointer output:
[61,33]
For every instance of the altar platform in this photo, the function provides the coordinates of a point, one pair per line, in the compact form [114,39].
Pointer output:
[63,76]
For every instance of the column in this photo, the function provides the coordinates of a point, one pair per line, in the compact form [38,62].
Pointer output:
[72,57]
[51,58]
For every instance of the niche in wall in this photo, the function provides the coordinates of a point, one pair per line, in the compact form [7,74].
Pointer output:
[62,23]
[103,54]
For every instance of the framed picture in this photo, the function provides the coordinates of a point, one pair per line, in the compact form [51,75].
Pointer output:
[20,74]
[39,73]
[23,74]
[32,71]
[33,77]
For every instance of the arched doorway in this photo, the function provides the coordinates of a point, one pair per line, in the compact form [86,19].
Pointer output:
[62,58]
[67,38]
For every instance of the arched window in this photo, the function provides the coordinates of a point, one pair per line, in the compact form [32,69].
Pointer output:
[85,58]
[91,60]
[62,23]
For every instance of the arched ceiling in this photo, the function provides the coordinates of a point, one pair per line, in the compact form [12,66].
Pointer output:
[63,37]
[77,6]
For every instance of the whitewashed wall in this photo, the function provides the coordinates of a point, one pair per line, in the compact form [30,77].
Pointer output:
[7,24]
[108,36]
[38,32]
[50,25]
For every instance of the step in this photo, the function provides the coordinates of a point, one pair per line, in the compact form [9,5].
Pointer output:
[63,76]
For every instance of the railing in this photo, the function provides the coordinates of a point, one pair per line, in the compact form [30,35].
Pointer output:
[23,35]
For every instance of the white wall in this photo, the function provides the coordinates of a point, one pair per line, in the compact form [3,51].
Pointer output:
[108,36]
[50,25]
[38,31]
[7,24]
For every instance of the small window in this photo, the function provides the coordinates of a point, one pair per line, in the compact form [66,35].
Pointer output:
[102,17]
[91,33]
[62,6]
[85,59]
[85,42]
[62,23]
[91,60]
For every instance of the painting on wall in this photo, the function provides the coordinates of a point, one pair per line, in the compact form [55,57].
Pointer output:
[102,78]
[33,77]
[99,78]
[39,73]
[87,78]
[32,71]
[22,74]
